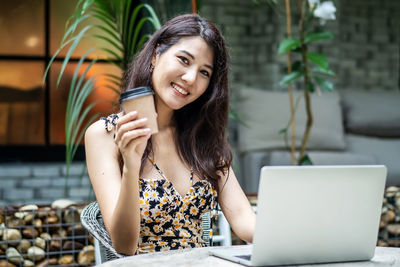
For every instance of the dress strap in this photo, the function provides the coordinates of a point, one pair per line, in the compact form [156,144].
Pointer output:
[162,173]
[110,121]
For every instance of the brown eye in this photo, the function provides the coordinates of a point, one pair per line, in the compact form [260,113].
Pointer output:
[184,59]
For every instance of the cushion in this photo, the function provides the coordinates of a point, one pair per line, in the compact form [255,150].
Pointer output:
[372,113]
[265,113]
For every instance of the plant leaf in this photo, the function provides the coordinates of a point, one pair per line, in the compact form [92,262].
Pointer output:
[318,59]
[288,78]
[319,71]
[288,44]
[324,84]
[305,160]
[317,36]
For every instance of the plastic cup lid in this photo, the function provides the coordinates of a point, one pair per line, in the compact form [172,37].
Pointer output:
[135,92]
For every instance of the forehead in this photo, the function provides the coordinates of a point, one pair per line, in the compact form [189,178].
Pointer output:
[196,46]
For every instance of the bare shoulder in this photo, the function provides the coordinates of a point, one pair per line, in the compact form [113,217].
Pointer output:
[96,133]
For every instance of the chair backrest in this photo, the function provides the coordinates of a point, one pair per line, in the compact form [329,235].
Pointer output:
[92,220]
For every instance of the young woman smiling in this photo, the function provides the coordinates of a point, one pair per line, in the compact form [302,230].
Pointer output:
[153,189]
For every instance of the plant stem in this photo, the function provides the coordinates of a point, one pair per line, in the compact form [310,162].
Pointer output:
[307,96]
[289,65]
[194,6]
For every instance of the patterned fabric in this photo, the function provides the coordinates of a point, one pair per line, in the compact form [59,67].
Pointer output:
[169,220]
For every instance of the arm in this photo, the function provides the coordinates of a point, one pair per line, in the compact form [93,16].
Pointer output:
[236,207]
[117,191]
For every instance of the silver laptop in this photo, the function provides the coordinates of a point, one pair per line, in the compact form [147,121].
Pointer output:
[314,214]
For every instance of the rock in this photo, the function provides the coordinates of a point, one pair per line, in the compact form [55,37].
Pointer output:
[31,207]
[71,216]
[382,224]
[1,219]
[30,233]
[2,252]
[44,212]
[388,216]
[66,259]
[45,236]
[44,263]
[394,229]
[11,235]
[71,245]
[38,224]
[4,263]
[40,243]
[382,243]
[14,256]
[77,230]
[28,263]
[13,222]
[19,215]
[55,244]
[394,242]
[391,191]
[23,246]
[86,255]
[62,203]
[35,253]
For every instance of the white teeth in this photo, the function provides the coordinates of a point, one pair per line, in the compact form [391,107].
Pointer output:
[180,90]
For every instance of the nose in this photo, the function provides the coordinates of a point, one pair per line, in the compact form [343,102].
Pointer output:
[190,76]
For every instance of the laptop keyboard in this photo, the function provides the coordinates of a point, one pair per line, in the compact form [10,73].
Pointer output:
[246,257]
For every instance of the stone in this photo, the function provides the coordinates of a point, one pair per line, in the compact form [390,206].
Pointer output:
[23,246]
[44,263]
[28,263]
[38,224]
[35,253]
[13,222]
[86,255]
[72,245]
[40,243]
[388,216]
[55,244]
[45,236]
[11,235]
[4,263]
[66,259]
[71,216]
[62,203]
[14,256]
[30,233]
[77,230]
[1,219]
[394,229]
[31,207]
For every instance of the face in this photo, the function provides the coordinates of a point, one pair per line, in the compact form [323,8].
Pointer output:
[183,72]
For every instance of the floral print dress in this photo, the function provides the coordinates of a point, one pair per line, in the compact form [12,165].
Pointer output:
[169,220]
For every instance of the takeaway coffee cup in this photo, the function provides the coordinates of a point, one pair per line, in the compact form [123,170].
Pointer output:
[141,99]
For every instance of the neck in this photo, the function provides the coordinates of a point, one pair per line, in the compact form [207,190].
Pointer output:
[164,115]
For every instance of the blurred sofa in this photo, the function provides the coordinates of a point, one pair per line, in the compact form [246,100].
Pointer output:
[350,127]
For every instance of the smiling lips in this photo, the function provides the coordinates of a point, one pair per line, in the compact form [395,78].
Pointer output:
[179,89]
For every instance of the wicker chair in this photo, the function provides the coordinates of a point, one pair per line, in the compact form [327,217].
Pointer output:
[92,220]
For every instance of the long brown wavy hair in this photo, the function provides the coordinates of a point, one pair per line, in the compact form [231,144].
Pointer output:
[200,125]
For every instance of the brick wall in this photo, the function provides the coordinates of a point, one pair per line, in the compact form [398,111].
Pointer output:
[364,53]
[42,183]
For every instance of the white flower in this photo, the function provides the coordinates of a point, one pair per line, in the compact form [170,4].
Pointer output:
[312,3]
[325,11]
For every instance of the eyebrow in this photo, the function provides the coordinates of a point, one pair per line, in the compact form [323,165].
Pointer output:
[190,55]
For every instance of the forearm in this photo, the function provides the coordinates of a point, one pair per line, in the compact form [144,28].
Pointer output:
[245,226]
[125,224]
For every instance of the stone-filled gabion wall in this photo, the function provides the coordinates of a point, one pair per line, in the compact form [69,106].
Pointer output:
[43,235]
[389,227]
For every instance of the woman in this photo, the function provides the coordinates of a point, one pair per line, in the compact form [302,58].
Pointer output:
[152,190]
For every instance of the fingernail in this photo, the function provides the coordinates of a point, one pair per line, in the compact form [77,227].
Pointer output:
[143,119]
[133,112]
[146,129]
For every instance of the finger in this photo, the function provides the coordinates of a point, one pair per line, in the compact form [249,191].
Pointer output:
[132,135]
[127,117]
[131,125]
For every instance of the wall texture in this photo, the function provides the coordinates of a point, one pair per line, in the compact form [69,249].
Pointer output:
[364,53]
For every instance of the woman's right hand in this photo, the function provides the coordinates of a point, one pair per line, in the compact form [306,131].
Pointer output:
[131,135]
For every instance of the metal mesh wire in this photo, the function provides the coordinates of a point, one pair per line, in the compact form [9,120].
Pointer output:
[66,236]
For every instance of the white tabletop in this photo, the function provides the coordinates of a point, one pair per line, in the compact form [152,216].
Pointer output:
[200,257]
